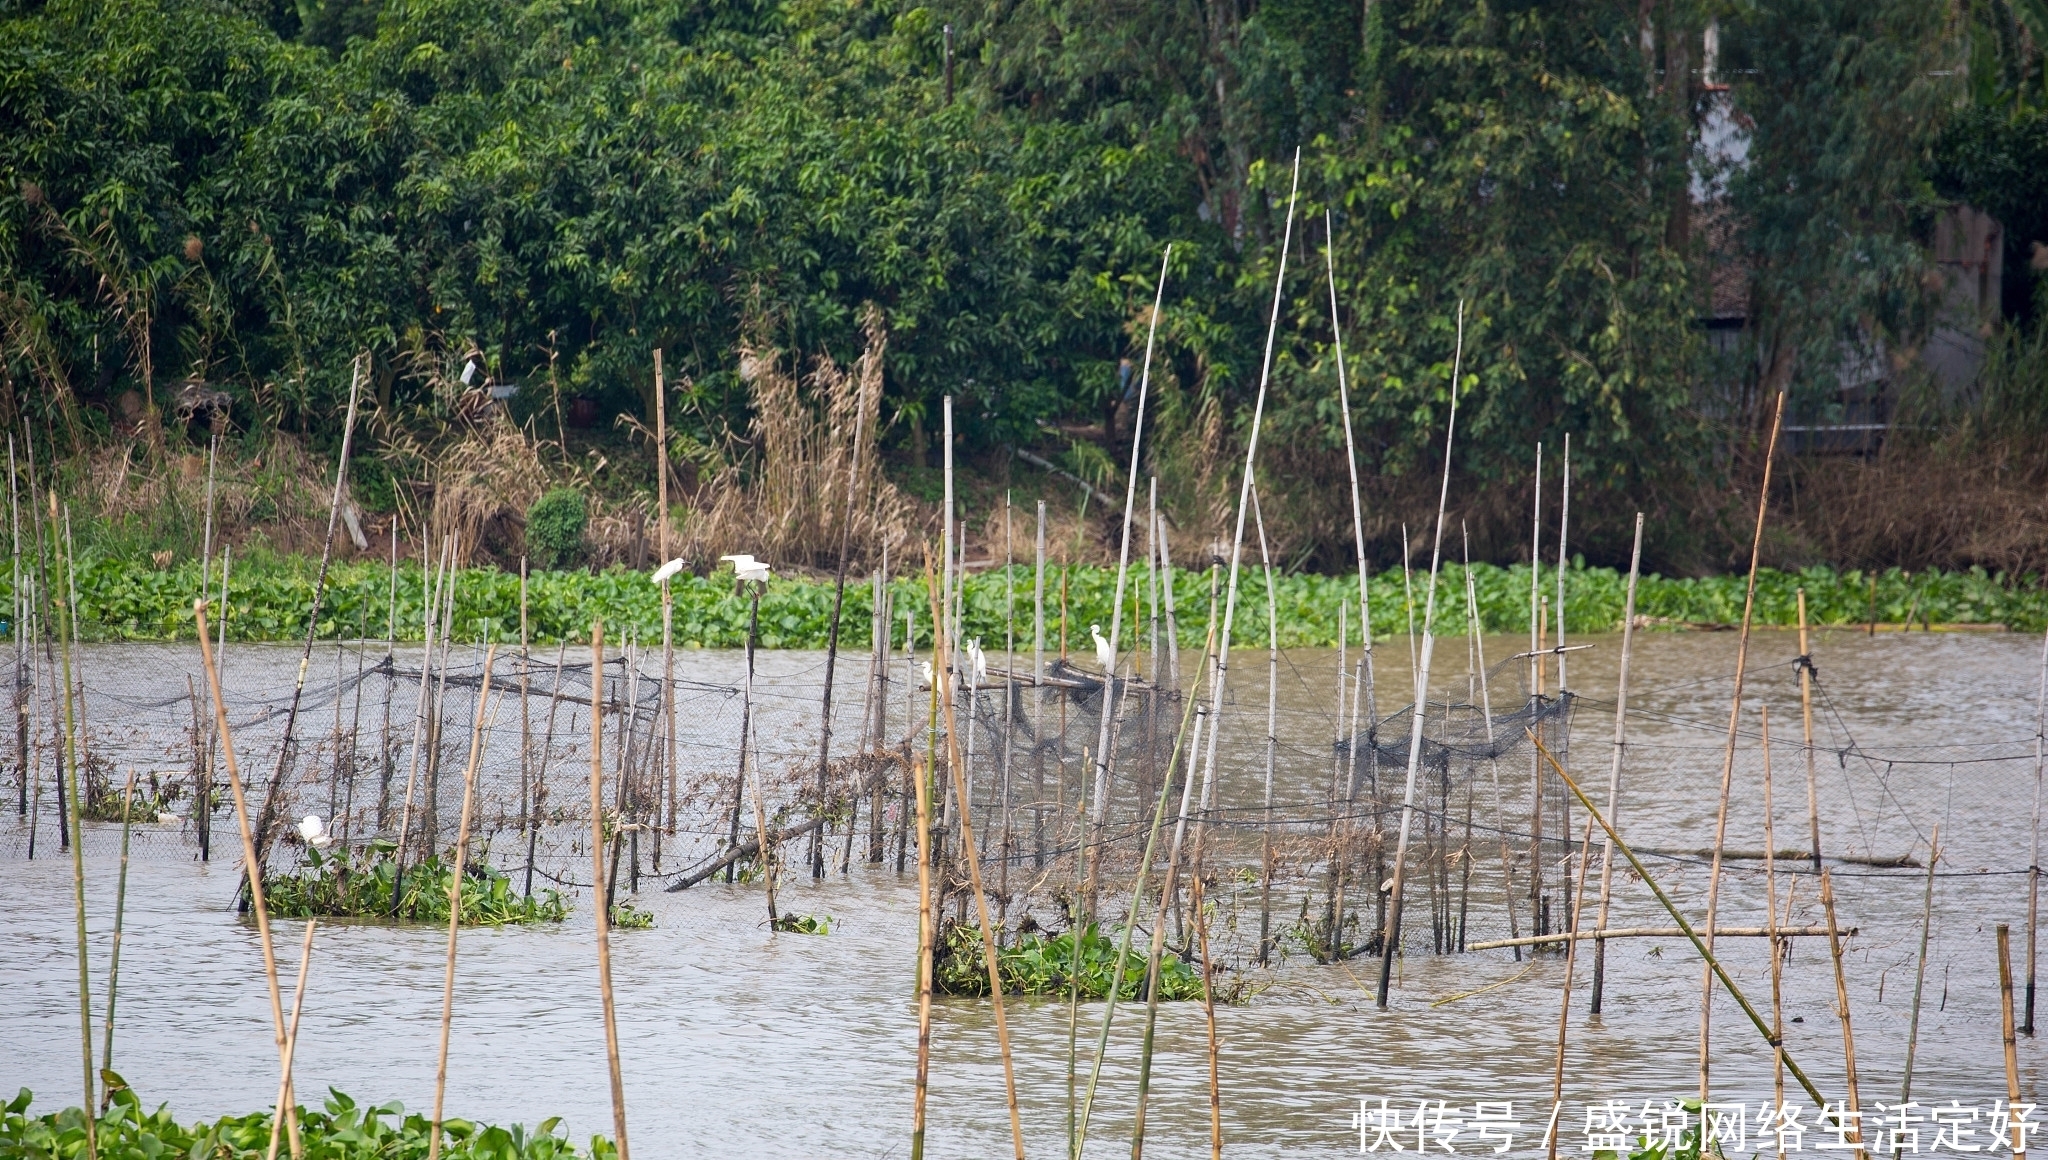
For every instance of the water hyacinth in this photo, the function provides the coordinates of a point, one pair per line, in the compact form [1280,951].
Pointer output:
[359,884]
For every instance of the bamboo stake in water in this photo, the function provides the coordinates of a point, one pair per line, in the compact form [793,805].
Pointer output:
[1357,506]
[600,888]
[2034,847]
[1476,627]
[1920,971]
[1806,715]
[256,904]
[942,647]
[2012,1057]
[114,965]
[476,745]
[1771,925]
[291,1044]
[1756,546]
[75,831]
[431,586]
[1628,634]
[1391,937]
[1272,742]
[1827,901]
[926,928]
[1571,958]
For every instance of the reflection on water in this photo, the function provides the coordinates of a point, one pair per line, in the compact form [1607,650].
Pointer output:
[736,1041]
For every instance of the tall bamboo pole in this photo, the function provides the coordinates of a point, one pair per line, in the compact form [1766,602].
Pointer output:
[256,903]
[1536,914]
[1756,546]
[1628,636]
[927,932]
[16,629]
[1806,716]
[1771,923]
[817,852]
[1391,937]
[476,746]
[1103,756]
[1571,958]
[75,833]
[1272,743]
[600,888]
[430,619]
[1368,693]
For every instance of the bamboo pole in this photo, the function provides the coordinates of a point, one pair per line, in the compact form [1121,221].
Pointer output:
[1564,519]
[1391,937]
[817,852]
[1756,545]
[2034,847]
[476,745]
[1571,957]
[1367,693]
[430,619]
[255,880]
[927,933]
[1920,971]
[291,1044]
[1671,908]
[525,715]
[1561,937]
[600,888]
[16,628]
[114,963]
[1777,946]
[1827,900]
[1628,634]
[1536,914]
[1475,626]
[942,648]
[540,775]
[1221,654]
[1209,1020]
[1806,716]
[1103,756]
[747,739]
[2012,1057]
[75,835]
[1272,741]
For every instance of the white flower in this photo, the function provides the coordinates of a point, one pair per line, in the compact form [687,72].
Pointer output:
[746,567]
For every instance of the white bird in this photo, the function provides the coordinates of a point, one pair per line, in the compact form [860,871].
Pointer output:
[314,831]
[977,664]
[926,666]
[1105,652]
[746,567]
[663,573]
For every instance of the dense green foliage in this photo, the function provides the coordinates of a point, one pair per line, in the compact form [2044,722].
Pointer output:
[269,597]
[554,526]
[339,1130]
[245,194]
[1043,964]
[359,884]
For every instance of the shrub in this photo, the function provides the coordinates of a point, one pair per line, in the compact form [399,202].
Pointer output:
[554,526]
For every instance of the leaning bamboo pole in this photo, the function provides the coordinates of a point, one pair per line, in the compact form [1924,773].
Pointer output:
[927,933]
[1671,908]
[2034,847]
[1771,925]
[1628,632]
[1357,505]
[120,913]
[1756,545]
[1272,743]
[256,903]
[74,831]
[1476,627]
[1390,938]
[1571,958]
[291,1041]
[476,746]
[1920,970]
[2012,1057]
[1103,756]
[942,648]
[599,887]
[1806,716]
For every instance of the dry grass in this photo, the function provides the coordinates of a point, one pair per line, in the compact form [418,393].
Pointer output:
[808,466]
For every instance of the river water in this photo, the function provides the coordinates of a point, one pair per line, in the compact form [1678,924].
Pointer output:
[739,1041]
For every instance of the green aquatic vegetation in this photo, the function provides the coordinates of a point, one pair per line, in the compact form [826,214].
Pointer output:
[626,916]
[1037,963]
[804,924]
[270,595]
[359,884]
[340,1129]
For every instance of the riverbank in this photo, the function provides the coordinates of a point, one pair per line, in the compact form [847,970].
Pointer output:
[270,597]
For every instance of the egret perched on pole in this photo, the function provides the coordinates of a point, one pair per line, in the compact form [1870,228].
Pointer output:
[666,572]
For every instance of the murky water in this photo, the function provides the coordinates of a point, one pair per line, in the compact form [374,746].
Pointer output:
[736,1041]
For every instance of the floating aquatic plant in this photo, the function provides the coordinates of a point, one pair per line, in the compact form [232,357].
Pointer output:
[1037,963]
[346,883]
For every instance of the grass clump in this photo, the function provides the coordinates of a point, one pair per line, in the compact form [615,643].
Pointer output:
[352,884]
[1038,963]
[339,1130]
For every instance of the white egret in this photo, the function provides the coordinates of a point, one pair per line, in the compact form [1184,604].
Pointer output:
[1105,652]
[314,831]
[663,573]
[746,567]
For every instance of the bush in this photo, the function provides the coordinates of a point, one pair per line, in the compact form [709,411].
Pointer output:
[554,526]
